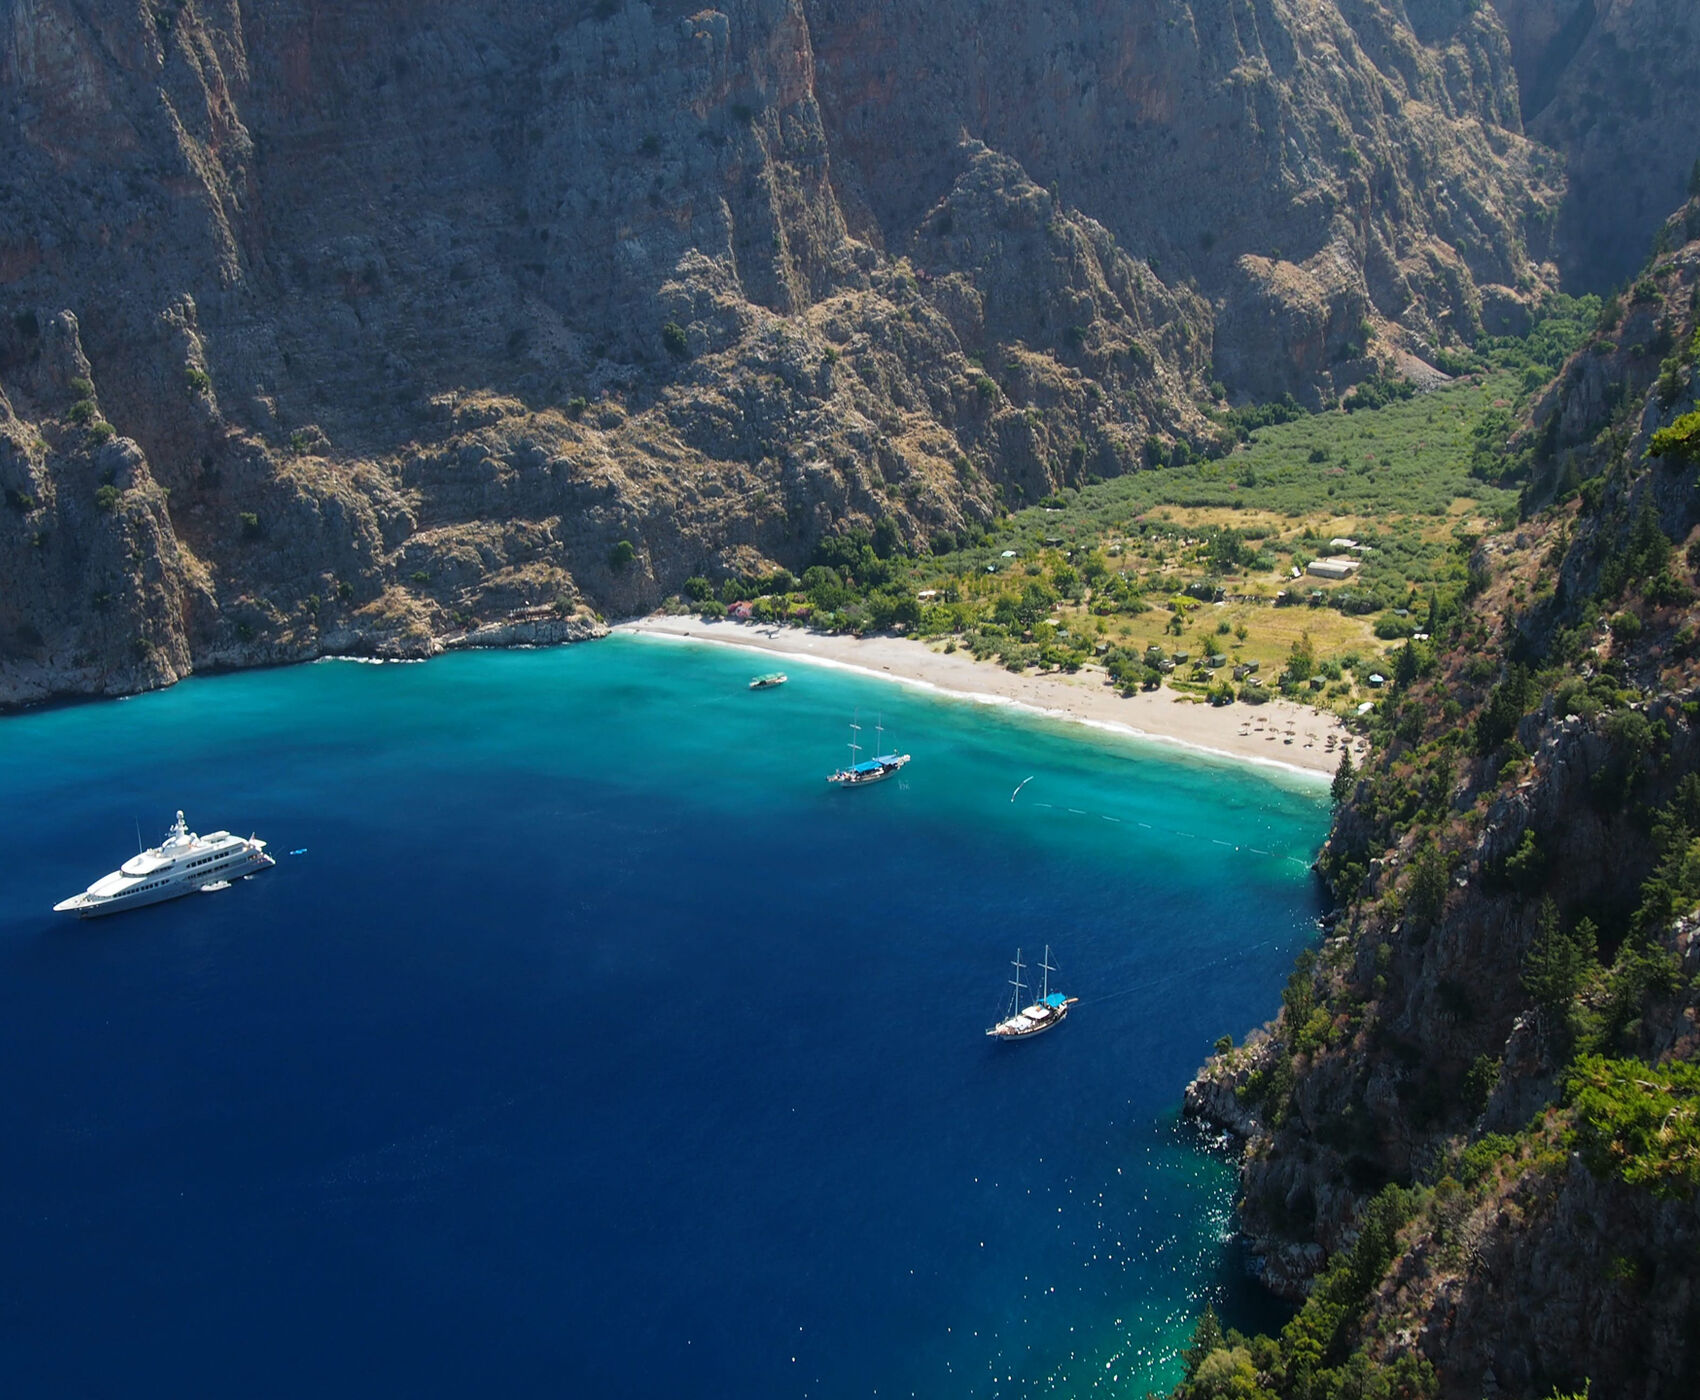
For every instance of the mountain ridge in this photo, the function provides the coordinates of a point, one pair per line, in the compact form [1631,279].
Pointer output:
[735,277]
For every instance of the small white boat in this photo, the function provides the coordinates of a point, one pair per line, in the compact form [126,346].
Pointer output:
[1050,1010]
[216,886]
[181,864]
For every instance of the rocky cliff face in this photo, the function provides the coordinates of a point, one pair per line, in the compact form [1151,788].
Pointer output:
[1611,86]
[411,313]
[1518,794]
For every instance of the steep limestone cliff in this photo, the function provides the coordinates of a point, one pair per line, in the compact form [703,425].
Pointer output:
[1611,86]
[412,313]
[1511,880]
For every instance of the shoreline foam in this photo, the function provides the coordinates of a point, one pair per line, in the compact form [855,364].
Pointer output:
[1237,733]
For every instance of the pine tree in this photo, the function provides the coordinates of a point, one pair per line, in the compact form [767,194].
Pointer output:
[1206,1338]
[1557,964]
[1345,778]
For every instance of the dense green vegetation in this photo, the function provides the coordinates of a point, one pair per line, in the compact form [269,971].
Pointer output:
[1590,618]
[1178,575]
[1639,1122]
[1313,1358]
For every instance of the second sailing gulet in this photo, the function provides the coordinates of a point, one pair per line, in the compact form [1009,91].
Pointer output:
[1048,1011]
[861,772]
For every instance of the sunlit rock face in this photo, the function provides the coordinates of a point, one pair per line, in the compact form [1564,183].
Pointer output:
[413,312]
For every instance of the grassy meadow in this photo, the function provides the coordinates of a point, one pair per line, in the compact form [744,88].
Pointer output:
[1177,575]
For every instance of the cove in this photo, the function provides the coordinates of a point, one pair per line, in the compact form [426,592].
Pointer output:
[595,1045]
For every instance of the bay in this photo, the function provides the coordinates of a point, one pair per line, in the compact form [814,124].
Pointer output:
[594,1044]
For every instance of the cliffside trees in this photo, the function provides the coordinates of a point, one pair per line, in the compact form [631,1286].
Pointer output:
[1639,1122]
[1557,964]
[1345,778]
[1680,441]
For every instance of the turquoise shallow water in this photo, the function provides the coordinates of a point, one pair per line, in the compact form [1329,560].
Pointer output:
[595,1042]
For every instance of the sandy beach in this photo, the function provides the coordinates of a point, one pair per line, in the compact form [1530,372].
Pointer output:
[1277,732]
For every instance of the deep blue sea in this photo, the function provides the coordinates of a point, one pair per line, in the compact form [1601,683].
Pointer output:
[593,1045]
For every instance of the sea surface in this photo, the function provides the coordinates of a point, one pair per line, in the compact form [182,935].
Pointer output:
[585,1042]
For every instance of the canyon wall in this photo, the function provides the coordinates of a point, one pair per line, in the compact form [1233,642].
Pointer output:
[330,327]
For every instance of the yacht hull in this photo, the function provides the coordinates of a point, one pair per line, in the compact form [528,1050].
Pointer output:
[850,779]
[85,906]
[1027,1032]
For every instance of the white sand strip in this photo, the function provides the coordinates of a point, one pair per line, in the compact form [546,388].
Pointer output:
[1277,733]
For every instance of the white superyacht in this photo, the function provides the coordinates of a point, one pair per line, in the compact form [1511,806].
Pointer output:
[180,864]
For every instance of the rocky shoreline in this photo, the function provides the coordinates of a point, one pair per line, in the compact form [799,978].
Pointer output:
[25,684]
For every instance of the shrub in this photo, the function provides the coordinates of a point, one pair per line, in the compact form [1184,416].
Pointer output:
[1681,440]
[621,554]
[250,525]
[1481,1156]
[677,343]
[1478,1083]
[107,497]
[101,431]
[1378,393]
[199,380]
[1639,1122]
[576,407]
[1526,866]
